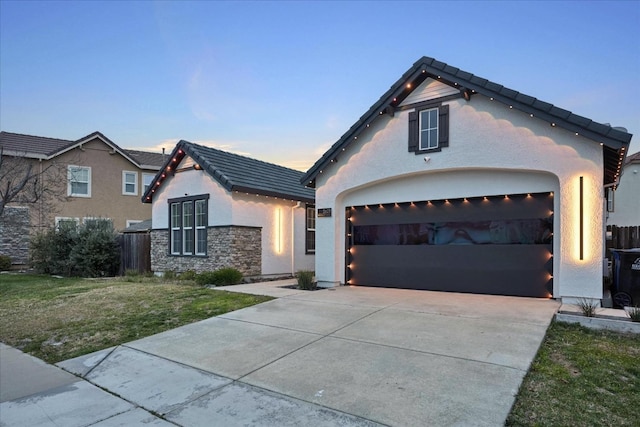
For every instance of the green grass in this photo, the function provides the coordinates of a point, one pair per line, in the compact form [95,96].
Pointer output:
[57,319]
[581,377]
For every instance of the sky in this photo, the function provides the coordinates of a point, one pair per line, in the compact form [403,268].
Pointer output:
[282,81]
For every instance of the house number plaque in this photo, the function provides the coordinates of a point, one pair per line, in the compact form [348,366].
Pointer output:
[324,212]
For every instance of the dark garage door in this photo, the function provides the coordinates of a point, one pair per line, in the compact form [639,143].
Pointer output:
[498,245]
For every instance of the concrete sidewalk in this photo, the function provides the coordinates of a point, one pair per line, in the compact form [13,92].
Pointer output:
[347,356]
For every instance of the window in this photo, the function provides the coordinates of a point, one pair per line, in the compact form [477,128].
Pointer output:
[610,199]
[429,128]
[130,183]
[79,181]
[310,238]
[188,225]
[66,222]
[147,178]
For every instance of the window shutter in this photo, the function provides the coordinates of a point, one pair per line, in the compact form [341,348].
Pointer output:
[413,131]
[443,126]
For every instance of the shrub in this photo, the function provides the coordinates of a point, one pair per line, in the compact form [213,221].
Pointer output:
[222,277]
[96,253]
[5,263]
[633,313]
[51,249]
[188,275]
[169,275]
[588,306]
[305,280]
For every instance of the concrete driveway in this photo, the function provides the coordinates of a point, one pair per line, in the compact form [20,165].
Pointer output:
[348,356]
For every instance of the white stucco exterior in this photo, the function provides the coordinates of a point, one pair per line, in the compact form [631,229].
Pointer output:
[493,150]
[282,221]
[627,197]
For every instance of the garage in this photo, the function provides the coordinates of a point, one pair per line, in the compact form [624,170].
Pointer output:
[494,244]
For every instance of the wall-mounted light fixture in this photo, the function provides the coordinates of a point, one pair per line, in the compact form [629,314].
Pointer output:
[581,218]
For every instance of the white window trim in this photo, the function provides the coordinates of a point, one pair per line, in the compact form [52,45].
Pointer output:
[175,227]
[187,230]
[199,227]
[131,222]
[70,180]
[421,146]
[124,183]
[144,177]
[66,218]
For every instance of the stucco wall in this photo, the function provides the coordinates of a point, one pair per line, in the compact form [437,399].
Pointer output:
[627,198]
[493,150]
[281,221]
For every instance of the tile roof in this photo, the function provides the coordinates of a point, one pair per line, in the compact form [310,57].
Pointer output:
[632,158]
[32,146]
[615,141]
[239,173]
[45,148]
[147,158]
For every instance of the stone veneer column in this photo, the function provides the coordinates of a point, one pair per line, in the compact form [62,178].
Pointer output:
[14,234]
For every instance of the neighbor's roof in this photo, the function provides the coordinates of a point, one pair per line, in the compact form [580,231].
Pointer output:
[615,141]
[633,158]
[237,173]
[39,147]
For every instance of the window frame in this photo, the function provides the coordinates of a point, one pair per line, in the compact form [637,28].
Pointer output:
[125,183]
[415,124]
[72,170]
[310,243]
[181,235]
[146,186]
[430,145]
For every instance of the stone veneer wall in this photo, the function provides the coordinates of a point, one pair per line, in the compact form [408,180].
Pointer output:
[14,234]
[227,246]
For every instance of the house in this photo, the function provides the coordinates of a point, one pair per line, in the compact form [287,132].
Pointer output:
[451,182]
[87,178]
[624,206]
[214,209]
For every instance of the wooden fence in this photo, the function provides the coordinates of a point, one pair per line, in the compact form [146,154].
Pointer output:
[135,252]
[623,237]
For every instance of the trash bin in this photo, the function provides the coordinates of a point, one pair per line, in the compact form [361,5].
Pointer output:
[625,288]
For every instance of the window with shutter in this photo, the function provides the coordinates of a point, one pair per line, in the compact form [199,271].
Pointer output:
[429,129]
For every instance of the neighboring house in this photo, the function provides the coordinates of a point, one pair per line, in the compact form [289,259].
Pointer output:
[624,202]
[451,182]
[96,178]
[214,209]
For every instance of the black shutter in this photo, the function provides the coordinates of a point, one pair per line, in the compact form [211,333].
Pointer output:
[443,126]
[413,131]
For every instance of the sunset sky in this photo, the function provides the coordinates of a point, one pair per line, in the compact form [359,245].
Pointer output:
[282,81]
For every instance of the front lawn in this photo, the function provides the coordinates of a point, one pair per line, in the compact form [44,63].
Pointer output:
[581,377]
[57,319]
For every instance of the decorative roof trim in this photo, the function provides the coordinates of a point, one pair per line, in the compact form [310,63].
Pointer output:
[615,141]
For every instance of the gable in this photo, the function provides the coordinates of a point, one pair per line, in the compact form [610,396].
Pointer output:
[614,141]
[428,90]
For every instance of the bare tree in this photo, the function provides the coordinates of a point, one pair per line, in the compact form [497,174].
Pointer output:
[25,181]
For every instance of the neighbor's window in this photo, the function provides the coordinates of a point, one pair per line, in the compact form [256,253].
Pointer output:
[429,128]
[610,199]
[310,240]
[130,183]
[147,179]
[188,225]
[79,181]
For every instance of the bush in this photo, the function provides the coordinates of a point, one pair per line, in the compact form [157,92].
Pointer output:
[51,249]
[222,277]
[96,253]
[588,306]
[188,275]
[633,313]
[5,263]
[88,250]
[169,275]
[305,280]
